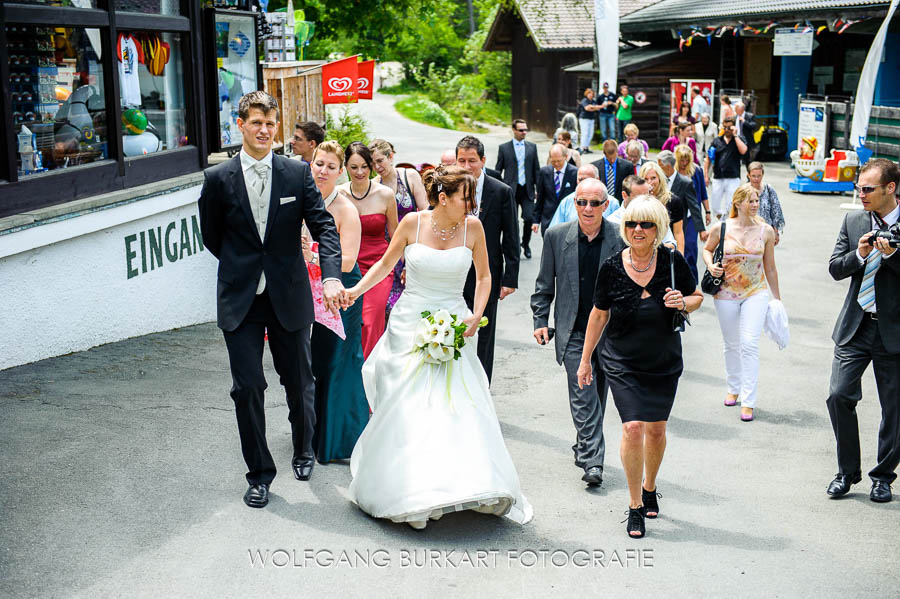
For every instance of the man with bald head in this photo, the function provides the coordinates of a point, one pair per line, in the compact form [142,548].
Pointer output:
[555,181]
[565,212]
[570,261]
[448,158]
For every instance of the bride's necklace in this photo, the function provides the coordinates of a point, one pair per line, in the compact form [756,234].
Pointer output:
[649,264]
[363,196]
[444,234]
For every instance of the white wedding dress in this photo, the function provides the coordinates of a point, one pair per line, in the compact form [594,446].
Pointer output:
[433,444]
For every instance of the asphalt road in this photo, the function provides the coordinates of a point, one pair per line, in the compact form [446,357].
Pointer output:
[122,475]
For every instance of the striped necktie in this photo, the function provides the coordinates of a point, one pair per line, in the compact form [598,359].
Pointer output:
[866,297]
[610,178]
[557,183]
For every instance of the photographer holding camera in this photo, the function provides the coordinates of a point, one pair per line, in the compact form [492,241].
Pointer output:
[723,162]
[868,328]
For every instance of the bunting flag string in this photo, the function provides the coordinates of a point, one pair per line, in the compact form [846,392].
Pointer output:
[685,39]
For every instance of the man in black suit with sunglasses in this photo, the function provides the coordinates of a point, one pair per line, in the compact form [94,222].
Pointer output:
[571,259]
[867,330]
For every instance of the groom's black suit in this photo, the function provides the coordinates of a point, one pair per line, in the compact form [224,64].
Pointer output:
[501,232]
[284,309]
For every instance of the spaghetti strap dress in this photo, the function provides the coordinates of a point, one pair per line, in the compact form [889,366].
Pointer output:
[372,247]
[406,203]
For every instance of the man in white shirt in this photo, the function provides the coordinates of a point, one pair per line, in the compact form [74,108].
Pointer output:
[699,105]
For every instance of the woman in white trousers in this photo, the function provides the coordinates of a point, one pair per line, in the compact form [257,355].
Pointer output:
[750,281]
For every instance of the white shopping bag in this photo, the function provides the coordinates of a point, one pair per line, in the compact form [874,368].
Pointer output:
[776,326]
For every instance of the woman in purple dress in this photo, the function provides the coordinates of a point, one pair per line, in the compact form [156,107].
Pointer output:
[409,192]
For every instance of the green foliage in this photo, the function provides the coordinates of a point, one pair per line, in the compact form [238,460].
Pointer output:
[404,87]
[345,126]
[423,110]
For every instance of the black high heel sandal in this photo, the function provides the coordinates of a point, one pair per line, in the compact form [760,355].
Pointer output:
[648,498]
[635,522]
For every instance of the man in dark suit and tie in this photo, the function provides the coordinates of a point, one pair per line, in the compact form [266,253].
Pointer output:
[572,256]
[251,211]
[613,169]
[497,212]
[518,165]
[867,330]
[555,181]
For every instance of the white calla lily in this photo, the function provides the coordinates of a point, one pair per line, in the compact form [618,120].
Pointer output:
[423,335]
[443,318]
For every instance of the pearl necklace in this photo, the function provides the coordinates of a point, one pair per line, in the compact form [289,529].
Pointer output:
[649,264]
[444,234]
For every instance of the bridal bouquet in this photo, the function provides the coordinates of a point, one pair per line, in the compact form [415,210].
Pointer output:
[439,336]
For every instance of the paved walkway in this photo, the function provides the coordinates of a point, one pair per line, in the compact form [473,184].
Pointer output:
[122,473]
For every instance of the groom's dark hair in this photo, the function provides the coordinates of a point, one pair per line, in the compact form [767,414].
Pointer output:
[470,142]
[259,100]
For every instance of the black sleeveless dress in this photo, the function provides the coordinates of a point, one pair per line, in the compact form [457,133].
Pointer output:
[641,355]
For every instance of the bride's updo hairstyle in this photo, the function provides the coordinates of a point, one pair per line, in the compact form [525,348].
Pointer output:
[449,180]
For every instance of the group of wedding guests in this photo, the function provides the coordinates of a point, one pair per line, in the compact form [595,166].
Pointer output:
[642,245]
[614,253]
[366,211]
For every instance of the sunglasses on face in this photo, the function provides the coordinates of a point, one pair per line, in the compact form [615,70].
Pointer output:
[645,224]
[593,203]
[522,130]
[867,189]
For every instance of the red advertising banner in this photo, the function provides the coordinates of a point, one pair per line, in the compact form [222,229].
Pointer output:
[366,80]
[339,81]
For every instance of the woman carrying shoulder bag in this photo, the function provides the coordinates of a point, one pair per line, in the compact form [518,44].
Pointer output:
[748,276]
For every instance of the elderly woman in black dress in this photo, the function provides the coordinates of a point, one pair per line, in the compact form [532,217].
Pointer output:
[635,303]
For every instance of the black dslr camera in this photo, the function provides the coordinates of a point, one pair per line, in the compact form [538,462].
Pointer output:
[892,235]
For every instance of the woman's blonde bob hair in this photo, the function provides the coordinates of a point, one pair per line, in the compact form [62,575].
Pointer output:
[631,128]
[684,153]
[646,208]
[742,194]
[331,147]
[662,194]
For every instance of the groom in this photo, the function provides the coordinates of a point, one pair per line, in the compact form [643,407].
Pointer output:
[496,209]
[251,210]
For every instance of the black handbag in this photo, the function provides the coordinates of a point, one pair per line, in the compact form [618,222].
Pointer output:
[680,318]
[711,284]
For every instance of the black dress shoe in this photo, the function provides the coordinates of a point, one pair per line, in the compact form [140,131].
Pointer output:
[841,484]
[593,476]
[257,495]
[303,467]
[881,492]
[527,251]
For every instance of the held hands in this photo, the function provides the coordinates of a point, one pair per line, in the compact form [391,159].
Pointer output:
[584,374]
[349,297]
[333,291]
[704,235]
[542,335]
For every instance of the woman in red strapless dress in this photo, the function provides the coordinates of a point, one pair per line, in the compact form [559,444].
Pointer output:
[378,215]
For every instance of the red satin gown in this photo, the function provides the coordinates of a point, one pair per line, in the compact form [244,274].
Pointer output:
[371,249]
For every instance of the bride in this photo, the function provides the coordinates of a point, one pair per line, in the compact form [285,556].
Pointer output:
[433,445]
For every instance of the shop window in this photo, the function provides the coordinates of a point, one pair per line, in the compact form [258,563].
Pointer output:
[56,92]
[151,86]
[155,7]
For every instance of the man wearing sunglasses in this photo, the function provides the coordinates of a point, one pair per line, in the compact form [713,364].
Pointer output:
[519,167]
[571,258]
[867,330]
